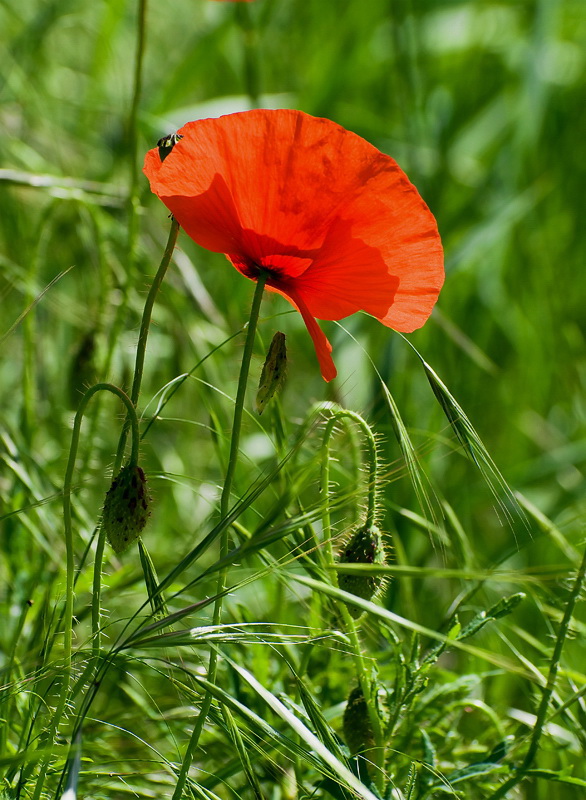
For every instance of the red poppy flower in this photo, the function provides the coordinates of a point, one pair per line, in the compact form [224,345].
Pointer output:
[335,223]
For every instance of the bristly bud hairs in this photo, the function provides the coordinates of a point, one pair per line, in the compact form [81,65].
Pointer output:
[365,546]
[126,508]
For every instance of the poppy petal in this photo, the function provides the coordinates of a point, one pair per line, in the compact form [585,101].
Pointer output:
[323,348]
[347,275]
[336,222]
[408,242]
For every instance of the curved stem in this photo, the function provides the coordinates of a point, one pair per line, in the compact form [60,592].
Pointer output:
[325,471]
[377,755]
[224,542]
[143,336]
[133,201]
[70,566]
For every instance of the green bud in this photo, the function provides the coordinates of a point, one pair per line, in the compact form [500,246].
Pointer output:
[273,372]
[364,547]
[358,731]
[126,508]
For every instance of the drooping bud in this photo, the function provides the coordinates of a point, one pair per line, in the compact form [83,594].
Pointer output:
[364,547]
[273,372]
[358,731]
[126,508]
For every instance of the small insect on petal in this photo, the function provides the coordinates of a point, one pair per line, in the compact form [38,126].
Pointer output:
[167,143]
[272,376]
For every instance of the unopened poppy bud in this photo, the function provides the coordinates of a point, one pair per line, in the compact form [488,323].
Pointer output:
[272,376]
[364,547]
[358,731]
[126,508]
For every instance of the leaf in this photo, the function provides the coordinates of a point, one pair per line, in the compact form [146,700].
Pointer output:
[551,775]
[325,755]
[389,617]
[151,580]
[242,752]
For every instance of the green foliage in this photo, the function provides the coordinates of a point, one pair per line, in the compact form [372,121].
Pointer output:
[478,102]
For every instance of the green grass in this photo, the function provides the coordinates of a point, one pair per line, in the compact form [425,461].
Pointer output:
[481,440]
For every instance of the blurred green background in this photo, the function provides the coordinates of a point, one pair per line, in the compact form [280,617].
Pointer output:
[481,103]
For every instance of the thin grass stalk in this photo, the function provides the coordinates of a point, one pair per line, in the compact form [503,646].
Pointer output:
[251,60]
[132,203]
[70,566]
[29,330]
[7,670]
[224,540]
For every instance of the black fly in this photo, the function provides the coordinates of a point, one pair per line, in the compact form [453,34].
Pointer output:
[167,143]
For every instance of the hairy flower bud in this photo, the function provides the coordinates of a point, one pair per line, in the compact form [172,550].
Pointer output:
[126,508]
[364,547]
[358,731]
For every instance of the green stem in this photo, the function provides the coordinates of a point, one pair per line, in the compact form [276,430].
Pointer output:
[251,61]
[70,566]
[377,755]
[224,541]
[133,202]
[143,336]
[132,133]
[549,687]
[7,673]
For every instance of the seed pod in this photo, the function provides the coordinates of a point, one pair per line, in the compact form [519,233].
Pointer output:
[126,508]
[364,547]
[358,731]
[273,372]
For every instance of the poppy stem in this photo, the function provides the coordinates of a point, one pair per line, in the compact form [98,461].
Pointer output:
[367,684]
[143,336]
[325,472]
[70,566]
[224,541]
